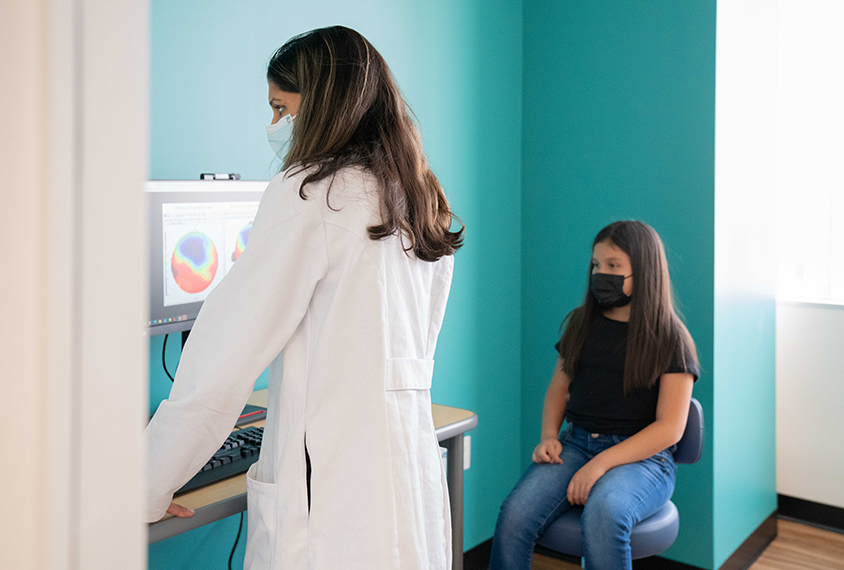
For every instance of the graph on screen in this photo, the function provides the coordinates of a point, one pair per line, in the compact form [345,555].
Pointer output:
[201,241]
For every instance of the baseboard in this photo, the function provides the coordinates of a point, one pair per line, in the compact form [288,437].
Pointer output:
[817,514]
[744,556]
[554,554]
[478,558]
[659,563]
[752,548]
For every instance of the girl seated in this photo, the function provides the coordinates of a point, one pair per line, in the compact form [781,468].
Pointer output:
[623,381]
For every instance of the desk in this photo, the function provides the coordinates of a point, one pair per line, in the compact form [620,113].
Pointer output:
[228,497]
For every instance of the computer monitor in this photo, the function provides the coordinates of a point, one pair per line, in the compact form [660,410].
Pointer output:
[198,228]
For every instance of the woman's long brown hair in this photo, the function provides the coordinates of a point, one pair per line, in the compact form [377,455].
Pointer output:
[352,114]
[656,333]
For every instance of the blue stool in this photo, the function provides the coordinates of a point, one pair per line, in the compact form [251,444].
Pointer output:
[650,536]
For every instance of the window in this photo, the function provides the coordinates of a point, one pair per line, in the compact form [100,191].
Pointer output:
[810,151]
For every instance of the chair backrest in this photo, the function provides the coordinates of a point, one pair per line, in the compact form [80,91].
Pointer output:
[690,447]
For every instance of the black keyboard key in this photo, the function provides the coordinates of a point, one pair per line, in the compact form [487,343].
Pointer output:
[240,450]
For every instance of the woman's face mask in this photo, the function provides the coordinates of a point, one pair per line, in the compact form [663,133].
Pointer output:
[608,290]
[279,135]
[285,106]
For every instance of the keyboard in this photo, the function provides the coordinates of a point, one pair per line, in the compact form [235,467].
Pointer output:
[240,450]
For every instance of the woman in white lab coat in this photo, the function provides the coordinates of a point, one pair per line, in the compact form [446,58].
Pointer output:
[341,291]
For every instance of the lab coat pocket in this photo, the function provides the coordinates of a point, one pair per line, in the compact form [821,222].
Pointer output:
[260,535]
[409,373]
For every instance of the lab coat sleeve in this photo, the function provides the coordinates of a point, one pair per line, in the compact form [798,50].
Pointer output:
[243,325]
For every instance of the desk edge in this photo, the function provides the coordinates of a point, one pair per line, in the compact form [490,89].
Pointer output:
[164,529]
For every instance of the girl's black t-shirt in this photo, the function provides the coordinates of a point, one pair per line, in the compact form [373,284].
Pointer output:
[597,402]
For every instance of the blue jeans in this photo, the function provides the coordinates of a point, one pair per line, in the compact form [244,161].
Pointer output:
[624,496]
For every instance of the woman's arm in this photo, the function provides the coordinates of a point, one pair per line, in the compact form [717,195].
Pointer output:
[672,412]
[243,325]
[556,398]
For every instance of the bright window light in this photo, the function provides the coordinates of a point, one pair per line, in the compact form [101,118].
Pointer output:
[810,151]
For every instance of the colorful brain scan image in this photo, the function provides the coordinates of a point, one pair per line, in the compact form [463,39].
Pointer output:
[242,238]
[194,262]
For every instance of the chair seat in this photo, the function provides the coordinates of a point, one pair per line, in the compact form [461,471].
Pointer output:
[650,537]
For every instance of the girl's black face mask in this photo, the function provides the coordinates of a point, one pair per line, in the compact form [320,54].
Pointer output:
[608,290]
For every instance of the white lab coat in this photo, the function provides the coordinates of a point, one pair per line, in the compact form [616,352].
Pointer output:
[348,328]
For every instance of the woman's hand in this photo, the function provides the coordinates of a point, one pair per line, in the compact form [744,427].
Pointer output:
[179,511]
[548,451]
[582,482]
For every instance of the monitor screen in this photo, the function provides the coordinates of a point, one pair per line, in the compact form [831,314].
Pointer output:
[198,229]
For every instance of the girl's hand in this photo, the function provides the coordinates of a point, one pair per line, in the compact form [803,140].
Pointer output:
[582,482]
[548,451]
[179,511]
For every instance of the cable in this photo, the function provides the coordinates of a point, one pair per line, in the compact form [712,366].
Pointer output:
[163,360]
[236,540]
[240,526]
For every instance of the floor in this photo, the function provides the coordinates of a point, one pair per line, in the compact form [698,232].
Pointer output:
[801,546]
[797,547]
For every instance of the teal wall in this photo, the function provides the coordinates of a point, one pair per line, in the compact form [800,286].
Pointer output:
[619,123]
[208,112]
[745,487]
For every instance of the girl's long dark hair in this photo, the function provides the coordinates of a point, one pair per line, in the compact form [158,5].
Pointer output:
[656,333]
[352,114]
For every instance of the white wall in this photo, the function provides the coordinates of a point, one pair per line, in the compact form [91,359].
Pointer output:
[73,293]
[810,244]
[810,402]
[22,376]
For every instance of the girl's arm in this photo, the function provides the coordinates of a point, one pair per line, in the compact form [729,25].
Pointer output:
[672,411]
[556,398]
